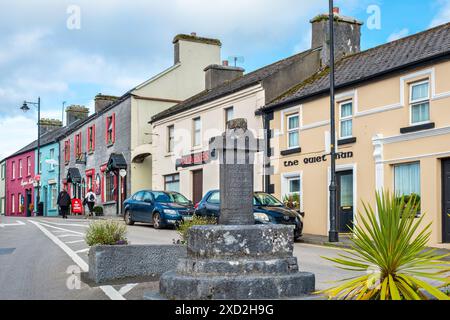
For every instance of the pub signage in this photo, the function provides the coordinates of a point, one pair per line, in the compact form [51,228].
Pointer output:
[319,159]
[193,159]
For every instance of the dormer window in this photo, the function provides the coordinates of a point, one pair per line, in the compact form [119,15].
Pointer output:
[420,102]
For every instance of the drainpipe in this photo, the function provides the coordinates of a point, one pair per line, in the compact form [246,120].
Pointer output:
[267,117]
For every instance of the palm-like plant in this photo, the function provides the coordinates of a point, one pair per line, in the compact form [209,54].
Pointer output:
[391,249]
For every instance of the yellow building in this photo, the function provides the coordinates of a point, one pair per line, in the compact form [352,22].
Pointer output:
[393,130]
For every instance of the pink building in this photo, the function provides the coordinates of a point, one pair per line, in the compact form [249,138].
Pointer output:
[19,183]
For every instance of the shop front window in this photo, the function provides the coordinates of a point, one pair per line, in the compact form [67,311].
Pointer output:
[109,187]
[407,182]
[172,183]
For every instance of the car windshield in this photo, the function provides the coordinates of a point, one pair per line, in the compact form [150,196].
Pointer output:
[267,200]
[165,197]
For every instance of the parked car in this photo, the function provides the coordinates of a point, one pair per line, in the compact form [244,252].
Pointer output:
[159,208]
[266,209]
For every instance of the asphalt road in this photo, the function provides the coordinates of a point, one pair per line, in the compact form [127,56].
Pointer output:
[41,258]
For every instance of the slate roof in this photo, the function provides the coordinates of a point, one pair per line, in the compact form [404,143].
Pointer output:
[230,87]
[366,65]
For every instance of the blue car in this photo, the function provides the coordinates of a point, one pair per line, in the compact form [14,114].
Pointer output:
[159,208]
[266,209]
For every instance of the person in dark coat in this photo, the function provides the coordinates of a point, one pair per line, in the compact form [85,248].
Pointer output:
[64,202]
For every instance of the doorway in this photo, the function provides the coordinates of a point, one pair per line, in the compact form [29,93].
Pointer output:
[29,202]
[197,186]
[446,201]
[345,214]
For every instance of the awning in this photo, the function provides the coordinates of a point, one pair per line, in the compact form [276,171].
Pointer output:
[140,153]
[73,175]
[116,162]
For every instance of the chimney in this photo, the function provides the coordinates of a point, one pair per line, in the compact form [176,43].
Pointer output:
[76,112]
[184,49]
[347,36]
[48,125]
[215,75]
[102,101]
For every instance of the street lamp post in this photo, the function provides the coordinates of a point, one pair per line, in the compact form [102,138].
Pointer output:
[333,233]
[25,108]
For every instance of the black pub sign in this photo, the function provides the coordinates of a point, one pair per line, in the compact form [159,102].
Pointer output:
[319,159]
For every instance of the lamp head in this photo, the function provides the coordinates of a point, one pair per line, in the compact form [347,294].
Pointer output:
[24,107]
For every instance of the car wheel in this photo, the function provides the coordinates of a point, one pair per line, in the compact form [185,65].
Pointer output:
[128,219]
[157,221]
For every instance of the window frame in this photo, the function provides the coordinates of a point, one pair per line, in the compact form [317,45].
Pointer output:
[28,166]
[413,103]
[111,121]
[197,144]
[13,170]
[20,169]
[292,130]
[170,138]
[226,110]
[67,151]
[51,156]
[345,119]
[78,146]
[176,179]
[91,138]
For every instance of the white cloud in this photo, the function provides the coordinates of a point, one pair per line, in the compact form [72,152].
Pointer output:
[16,133]
[444,13]
[398,35]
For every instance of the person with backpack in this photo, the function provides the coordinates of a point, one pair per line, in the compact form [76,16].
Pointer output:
[64,201]
[90,199]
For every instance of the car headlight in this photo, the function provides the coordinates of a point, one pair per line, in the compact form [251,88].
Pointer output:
[170,211]
[261,216]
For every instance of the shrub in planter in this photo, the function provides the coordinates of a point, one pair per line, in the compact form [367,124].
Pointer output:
[389,247]
[184,227]
[98,211]
[292,201]
[106,232]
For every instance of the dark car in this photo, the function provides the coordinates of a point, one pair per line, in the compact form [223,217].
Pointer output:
[266,209]
[159,208]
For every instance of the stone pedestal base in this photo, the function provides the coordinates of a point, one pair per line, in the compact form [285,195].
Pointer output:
[238,263]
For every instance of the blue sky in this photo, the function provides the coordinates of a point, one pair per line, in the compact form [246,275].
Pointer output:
[121,43]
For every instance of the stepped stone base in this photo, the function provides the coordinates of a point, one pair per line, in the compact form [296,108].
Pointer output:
[238,263]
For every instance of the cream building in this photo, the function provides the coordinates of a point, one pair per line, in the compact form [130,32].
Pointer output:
[393,128]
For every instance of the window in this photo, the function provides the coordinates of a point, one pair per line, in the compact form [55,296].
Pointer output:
[407,179]
[346,121]
[110,181]
[13,203]
[67,151]
[20,168]
[28,166]
[3,171]
[52,158]
[110,129]
[229,115]
[78,146]
[53,196]
[172,183]
[293,185]
[13,170]
[197,132]
[91,138]
[171,138]
[420,102]
[40,163]
[293,122]
[20,203]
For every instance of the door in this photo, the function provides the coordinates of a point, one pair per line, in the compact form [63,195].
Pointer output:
[446,201]
[345,201]
[29,201]
[197,186]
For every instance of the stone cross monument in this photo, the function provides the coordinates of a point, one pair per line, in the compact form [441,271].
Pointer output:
[237,260]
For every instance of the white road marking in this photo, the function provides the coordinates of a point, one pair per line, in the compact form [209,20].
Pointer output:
[76,241]
[18,223]
[124,290]
[112,293]
[69,235]
[82,250]
[57,228]
[67,224]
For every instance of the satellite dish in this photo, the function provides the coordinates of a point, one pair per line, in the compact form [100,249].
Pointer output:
[236,59]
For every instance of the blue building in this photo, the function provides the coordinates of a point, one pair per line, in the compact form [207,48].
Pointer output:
[49,178]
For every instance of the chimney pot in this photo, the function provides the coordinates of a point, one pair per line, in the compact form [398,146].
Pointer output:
[225,63]
[336,10]
[216,75]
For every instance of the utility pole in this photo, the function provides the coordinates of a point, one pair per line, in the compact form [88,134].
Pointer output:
[333,233]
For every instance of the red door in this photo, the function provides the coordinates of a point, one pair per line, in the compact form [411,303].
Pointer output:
[197,185]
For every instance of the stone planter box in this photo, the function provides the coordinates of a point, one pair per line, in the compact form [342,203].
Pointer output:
[112,264]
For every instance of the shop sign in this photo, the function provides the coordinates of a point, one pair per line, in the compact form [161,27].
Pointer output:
[319,159]
[77,206]
[194,159]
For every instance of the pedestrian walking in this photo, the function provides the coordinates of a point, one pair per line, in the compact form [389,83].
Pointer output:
[90,199]
[64,202]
